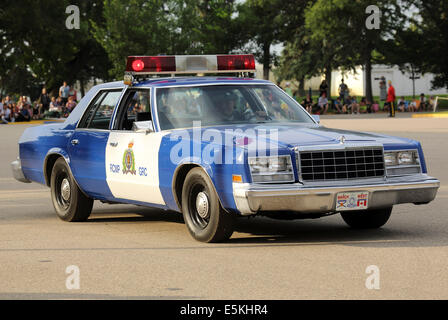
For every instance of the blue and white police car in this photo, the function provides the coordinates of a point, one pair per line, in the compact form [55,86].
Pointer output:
[214,148]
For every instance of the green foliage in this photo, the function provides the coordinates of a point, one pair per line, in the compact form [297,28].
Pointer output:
[335,36]
[142,27]
[36,41]
[269,22]
[427,46]
[37,49]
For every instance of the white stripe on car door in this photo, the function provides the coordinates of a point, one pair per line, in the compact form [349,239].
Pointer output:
[132,166]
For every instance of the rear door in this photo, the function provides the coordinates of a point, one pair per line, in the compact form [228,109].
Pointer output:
[132,158]
[87,147]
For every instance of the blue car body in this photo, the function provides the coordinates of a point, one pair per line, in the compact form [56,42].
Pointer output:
[41,145]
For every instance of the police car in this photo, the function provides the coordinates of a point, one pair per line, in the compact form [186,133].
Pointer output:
[214,148]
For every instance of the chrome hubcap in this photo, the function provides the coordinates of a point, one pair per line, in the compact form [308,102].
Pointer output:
[202,205]
[65,190]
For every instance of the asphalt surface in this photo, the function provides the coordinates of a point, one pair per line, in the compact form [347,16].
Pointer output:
[130,252]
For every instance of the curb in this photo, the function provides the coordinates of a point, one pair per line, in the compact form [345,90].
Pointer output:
[430,115]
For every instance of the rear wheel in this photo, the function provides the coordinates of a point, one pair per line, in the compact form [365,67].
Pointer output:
[370,219]
[68,200]
[206,220]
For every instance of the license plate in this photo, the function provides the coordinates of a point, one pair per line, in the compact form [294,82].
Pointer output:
[352,201]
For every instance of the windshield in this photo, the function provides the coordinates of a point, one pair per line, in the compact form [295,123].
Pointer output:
[179,107]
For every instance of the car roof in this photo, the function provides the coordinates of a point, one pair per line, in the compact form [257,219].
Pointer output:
[179,81]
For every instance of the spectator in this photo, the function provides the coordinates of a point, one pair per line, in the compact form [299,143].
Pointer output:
[20,103]
[64,93]
[25,101]
[44,101]
[343,90]
[35,110]
[7,114]
[401,105]
[423,102]
[413,106]
[323,103]
[24,114]
[55,109]
[363,106]
[70,105]
[391,99]
[383,89]
[354,105]
[431,103]
[375,106]
[73,93]
[323,88]
[15,112]
[308,103]
[7,101]
[338,105]
[288,89]
[3,109]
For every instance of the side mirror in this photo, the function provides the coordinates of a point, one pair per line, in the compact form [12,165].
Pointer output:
[143,126]
[316,118]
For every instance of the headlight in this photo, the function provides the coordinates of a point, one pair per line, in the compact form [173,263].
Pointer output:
[406,157]
[401,158]
[390,159]
[271,169]
[400,163]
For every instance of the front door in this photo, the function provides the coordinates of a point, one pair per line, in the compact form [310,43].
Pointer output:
[132,158]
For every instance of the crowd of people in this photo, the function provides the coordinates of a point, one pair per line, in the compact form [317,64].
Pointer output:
[45,106]
[350,104]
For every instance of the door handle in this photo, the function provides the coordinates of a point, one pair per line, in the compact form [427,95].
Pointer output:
[75,142]
[113,144]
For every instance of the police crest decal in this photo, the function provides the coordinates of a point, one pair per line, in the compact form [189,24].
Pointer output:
[129,160]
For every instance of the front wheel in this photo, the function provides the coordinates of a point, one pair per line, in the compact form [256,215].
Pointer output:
[69,202]
[369,219]
[206,220]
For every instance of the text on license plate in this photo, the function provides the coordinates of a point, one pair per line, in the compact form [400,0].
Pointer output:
[352,201]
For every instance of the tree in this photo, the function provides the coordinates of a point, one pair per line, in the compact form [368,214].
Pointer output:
[142,27]
[37,41]
[430,44]
[133,27]
[301,59]
[341,26]
[269,22]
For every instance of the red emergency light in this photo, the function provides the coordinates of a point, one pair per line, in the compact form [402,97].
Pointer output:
[147,65]
[188,64]
[236,62]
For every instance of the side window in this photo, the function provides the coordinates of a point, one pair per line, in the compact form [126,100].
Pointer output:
[87,117]
[136,107]
[104,111]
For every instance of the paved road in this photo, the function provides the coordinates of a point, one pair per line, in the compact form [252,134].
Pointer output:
[133,252]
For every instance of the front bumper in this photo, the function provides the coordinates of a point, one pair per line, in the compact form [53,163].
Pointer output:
[254,198]
[16,167]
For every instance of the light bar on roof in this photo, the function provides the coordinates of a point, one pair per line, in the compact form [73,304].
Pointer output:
[137,65]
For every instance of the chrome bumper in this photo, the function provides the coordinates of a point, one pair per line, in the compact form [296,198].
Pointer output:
[16,167]
[253,198]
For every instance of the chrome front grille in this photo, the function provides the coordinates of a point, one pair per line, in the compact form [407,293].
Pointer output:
[344,164]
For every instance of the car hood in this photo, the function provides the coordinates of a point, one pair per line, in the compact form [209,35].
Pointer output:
[288,135]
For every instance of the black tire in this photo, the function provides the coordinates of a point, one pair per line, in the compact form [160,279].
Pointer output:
[370,219]
[206,220]
[71,205]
